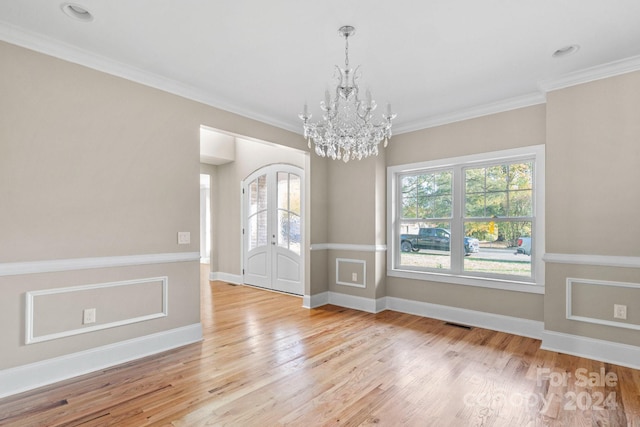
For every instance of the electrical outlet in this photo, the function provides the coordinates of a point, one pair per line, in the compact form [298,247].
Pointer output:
[88,316]
[619,311]
[184,237]
[354,277]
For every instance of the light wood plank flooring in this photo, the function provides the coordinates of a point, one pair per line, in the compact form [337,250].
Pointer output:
[265,361]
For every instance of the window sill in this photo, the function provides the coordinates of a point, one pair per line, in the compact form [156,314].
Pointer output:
[507,285]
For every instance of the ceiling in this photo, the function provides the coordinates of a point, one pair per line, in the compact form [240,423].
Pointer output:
[435,61]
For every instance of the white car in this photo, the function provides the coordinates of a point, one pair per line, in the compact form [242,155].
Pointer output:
[524,246]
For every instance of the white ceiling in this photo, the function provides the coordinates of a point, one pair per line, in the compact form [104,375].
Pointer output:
[434,60]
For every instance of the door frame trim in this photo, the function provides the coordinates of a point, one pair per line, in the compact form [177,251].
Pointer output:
[304,188]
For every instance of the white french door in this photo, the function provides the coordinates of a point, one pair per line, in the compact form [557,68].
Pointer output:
[273,228]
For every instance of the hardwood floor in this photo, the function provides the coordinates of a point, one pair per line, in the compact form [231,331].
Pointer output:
[266,361]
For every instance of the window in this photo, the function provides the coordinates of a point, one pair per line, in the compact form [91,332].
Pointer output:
[473,220]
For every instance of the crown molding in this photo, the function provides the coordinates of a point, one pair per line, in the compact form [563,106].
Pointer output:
[33,41]
[528,100]
[36,42]
[587,75]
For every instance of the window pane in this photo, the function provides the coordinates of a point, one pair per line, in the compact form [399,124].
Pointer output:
[496,179]
[521,176]
[409,196]
[425,245]
[521,203]
[498,247]
[442,206]
[499,191]
[474,180]
[496,204]
[474,205]
[427,195]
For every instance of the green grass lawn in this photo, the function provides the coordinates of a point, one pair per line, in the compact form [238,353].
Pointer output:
[472,263]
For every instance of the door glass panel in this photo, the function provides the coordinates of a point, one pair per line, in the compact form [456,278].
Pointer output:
[258,230]
[283,228]
[258,195]
[289,211]
[294,233]
[283,190]
[257,212]
[294,194]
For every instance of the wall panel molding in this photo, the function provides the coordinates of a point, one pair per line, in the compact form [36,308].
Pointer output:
[38,374]
[599,260]
[30,308]
[57,265]
[569,301]
[359,283]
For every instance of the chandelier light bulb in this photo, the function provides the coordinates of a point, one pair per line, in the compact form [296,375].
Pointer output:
[346,131]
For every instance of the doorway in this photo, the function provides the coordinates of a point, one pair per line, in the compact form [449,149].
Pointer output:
[273,229]
[205,218]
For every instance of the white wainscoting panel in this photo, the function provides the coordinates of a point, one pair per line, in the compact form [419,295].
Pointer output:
[30,308]
[569,300]
[361,282]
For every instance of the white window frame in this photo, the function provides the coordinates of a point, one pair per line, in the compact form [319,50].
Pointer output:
[535,284]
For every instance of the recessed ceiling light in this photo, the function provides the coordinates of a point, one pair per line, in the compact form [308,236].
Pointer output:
[566,51]
[77,12]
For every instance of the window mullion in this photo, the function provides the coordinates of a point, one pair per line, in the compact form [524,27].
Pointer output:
[457,226]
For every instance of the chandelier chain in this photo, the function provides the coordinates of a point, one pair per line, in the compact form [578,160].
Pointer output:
[346,51]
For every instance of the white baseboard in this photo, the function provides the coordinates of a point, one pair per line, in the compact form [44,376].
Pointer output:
[591,348]
[343,300]
[357,303]
[34,375]
[234,279]
[314,301]
[495,322]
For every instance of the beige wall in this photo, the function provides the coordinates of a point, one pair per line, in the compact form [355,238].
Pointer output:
[511,129]
[593,154]
[356,215]
[92,165]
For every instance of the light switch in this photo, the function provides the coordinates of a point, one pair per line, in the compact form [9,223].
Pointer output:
[184,237]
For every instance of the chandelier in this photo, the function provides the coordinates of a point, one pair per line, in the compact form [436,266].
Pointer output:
[346,131]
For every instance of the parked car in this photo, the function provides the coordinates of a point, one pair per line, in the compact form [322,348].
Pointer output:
[524,246]
[435,238]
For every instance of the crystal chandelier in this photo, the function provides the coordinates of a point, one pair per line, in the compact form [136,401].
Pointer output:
[346,131]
